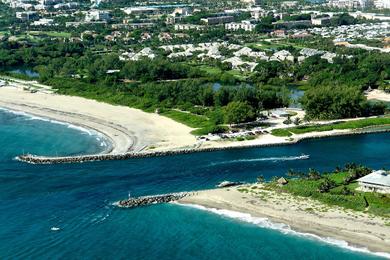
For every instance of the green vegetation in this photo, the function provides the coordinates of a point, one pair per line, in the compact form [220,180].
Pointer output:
[328,102]
[353,124]
[336,189]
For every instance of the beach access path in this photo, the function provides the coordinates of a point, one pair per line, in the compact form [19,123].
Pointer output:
[304,215]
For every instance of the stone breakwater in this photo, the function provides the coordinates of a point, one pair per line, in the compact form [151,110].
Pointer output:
[33,159]
[153,199]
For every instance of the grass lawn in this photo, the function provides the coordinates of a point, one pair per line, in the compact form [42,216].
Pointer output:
[51,34]
[189,119]
[215,71]
[355,124]
[379,204]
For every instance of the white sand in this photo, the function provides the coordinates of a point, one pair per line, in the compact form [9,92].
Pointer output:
[128,128]
[301,214]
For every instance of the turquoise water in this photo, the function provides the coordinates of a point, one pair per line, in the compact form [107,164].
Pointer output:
[77,199]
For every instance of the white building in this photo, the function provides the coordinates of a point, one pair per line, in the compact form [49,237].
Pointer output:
[187,27]
[97,15]
[348,4]
[377,181]
[244,25]
[382,4]
[137,10]
[320,20]
[289,4]
[43,22]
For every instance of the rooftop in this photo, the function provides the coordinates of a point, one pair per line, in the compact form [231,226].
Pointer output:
[380,177]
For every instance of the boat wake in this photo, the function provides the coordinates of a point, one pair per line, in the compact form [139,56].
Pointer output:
[271,159]
[283,228]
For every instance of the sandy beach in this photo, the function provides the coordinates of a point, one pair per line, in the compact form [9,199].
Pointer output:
[127,128]
[305,215]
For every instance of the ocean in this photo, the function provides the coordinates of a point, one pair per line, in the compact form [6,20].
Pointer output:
[65,211]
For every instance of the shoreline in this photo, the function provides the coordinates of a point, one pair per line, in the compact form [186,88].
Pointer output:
[132,132]
[78,127]
[127,129]
[362,232]
[33,159]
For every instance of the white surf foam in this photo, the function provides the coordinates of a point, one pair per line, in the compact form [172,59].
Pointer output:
[273,159]
[91,132]
[285,229]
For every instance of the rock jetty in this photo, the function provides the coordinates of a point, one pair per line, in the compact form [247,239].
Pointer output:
[33,159]
[149,200]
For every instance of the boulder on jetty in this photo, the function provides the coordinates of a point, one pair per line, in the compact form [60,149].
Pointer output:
[225,184]
[148,200]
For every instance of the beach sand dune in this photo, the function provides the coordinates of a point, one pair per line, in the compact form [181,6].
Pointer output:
[128,129]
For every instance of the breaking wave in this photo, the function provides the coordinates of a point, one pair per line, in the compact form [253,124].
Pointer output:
[283,228]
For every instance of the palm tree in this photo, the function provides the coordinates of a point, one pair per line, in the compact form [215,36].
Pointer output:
[260,179]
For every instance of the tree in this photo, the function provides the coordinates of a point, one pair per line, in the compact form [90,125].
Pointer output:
[260,179]
[334,102]
[326,185]
[239,112]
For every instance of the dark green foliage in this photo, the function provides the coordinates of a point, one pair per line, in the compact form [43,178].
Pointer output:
[326,185]
[239,112]
[329,102]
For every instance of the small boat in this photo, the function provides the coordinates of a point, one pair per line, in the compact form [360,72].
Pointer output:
[304,157]
[225,184]
[55,229]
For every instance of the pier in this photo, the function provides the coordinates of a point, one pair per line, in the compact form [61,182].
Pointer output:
[150,200]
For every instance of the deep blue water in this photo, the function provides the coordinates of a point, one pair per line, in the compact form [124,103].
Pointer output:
[77,198]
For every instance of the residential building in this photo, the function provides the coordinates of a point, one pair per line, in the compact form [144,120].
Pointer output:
[218,20]
[320,20]
[382,4]
[137,10]
[43,22]
[187,27]
[348,4]
[244,25]
[377,181]
[289,4]
[182,11]
[97,15]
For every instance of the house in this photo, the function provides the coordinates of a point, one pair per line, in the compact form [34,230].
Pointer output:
[279,33]
[377,181]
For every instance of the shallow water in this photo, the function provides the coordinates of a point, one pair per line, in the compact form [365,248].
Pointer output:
[77,198]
